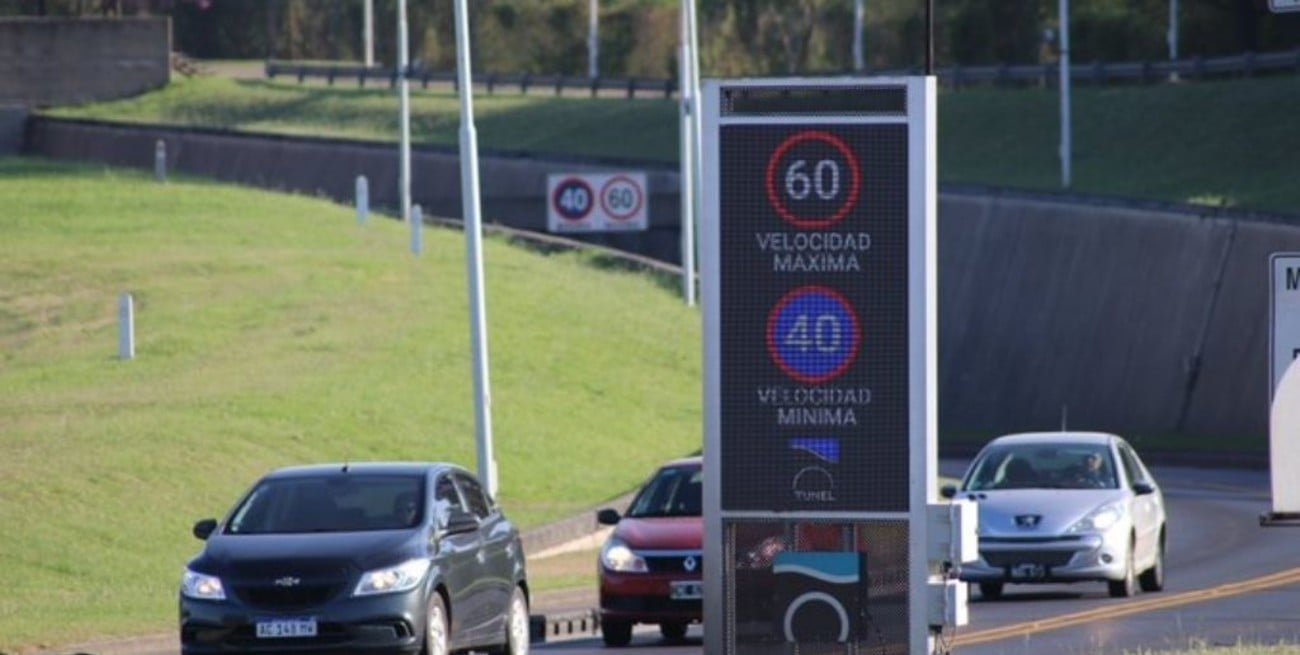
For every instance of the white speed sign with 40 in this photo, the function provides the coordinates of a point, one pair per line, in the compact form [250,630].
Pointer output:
[597,202]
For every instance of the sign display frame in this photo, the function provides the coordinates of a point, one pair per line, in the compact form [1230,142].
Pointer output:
[818,233]
[1283,6]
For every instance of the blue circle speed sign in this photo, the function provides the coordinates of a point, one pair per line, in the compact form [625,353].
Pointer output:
[813,334]
[573,199]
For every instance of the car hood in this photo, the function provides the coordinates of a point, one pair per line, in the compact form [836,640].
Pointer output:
[1056,509]
[669,533]
[358,551]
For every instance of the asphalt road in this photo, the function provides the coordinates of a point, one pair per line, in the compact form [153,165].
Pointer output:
[1229,580]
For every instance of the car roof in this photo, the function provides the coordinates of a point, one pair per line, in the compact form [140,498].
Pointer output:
[695,461]
[371,468]
[1032,438]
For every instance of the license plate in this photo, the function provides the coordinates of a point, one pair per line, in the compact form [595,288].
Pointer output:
[286,628]
[1028,571]
[686,591]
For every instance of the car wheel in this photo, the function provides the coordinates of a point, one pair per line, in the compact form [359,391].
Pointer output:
[518,633]
[615,632]
[991,590]
[435,627]
[675,631]
[1127,586]
[1153,579]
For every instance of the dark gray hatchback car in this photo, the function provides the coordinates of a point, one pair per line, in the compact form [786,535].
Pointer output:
[358,558]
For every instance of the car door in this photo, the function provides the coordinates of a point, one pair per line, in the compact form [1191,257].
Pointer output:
[456,558]
[1147,509]
[497,553]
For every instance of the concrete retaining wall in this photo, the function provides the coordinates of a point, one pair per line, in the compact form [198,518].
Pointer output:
[13,120]
[1131,319]
[61,61]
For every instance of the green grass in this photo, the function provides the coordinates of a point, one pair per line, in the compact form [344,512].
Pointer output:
[273,330]
[1220,143]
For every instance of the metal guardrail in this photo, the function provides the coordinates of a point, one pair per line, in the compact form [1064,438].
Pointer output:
[1245,65]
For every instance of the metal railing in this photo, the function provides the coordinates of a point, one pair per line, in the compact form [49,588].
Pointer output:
[1144,72]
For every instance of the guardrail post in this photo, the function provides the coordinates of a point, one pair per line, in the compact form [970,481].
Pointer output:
[302,73]
[392,78]
[1098,72]
[595,86]
[1003,73]
[669,86]
[1198,66]
[491,82]
[631,88]
[1249,64]
[424,79]
[270,71]
[329,77]
[524,82]
[559,85]
[1146,72]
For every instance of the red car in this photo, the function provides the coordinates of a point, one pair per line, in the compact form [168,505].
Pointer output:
[650,567]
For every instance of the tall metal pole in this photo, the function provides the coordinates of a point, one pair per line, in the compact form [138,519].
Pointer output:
[929,37]
[469,197]
[1173,30]
[688,154]
[593,39]
[369,32]
[859,26]
[404,93]
[1064,10]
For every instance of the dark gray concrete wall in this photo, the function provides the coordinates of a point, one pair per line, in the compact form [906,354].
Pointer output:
[13,120]
[62,61]
[1131,319]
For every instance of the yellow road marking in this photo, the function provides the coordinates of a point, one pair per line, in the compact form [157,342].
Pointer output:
[1281,578]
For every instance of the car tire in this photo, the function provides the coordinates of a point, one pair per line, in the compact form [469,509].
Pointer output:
[518,631]
[1153,579]
[615,632]
[1126,586]
[673,631]
[991,590]
[436,636]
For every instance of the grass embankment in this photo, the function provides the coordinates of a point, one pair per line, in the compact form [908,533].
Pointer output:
[273,330]
[1220,143]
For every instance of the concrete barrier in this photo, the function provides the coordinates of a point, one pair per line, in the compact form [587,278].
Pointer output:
[60,61]
[1127,317]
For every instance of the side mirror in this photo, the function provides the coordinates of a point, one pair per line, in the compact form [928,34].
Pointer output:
[948,491]
[608,516]
[204,529]
[1143,488]
[460,521]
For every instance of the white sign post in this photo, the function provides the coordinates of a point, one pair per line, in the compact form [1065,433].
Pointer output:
[596,202]
[1284,387]
[1282,6]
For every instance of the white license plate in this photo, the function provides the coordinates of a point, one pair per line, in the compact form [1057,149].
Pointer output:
[286,628]
[686,591]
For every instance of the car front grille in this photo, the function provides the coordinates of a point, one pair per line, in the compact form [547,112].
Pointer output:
[1048,558]
[675,563]
[286,598]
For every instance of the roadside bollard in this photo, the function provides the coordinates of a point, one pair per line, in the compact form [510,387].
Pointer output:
[417,230]
[363,199]
[126,326]
[160,161]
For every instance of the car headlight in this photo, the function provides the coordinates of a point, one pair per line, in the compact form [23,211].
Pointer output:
[616,556]
[392,579]
[1100,519]
[202,586]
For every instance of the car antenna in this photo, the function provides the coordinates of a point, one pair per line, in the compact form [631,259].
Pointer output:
[345,466]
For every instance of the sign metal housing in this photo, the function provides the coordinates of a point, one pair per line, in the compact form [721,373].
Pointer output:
[818,250]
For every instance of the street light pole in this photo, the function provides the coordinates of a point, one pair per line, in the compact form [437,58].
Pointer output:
[404,95]
[593,39]
[1173,30]
[1065,154]
[369,35]
[859,25]
[469,198]
[688,90]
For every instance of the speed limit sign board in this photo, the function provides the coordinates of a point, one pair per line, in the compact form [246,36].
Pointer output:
[818,250]
[596,202]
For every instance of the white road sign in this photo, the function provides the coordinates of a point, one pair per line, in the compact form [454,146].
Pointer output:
[1284,334]
[596,202]
[1281,6]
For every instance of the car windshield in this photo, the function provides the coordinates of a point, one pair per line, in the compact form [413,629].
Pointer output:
[1043,466]
[673,491]
[335,502]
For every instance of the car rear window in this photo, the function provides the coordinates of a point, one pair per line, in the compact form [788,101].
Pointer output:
[342,502]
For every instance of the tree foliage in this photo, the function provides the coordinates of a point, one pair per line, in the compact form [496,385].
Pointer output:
[737,37]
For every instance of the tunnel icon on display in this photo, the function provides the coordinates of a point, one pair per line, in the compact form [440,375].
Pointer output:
[820,597]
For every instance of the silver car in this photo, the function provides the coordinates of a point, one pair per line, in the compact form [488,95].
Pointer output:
[1064,507]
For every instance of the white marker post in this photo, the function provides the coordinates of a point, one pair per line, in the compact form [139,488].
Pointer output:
[125,326]
[417,230]
[363,199]
[160,161]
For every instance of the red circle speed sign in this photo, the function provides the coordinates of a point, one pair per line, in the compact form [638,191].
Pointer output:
[811,179]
